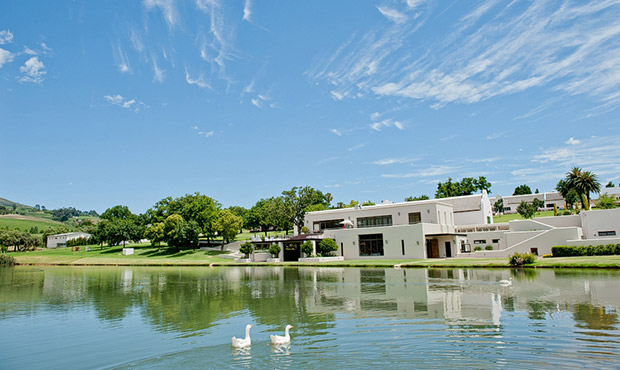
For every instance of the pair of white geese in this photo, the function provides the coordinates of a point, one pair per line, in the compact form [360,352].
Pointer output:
[275,339]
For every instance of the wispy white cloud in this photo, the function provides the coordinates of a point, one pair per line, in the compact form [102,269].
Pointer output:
[120,101]
[356,147]
[247,11]
[200,132]
[336,132]
[200,82]
[5,57]
[496,135]
[392,14]
[572,141]
[33,71]
[262,100]
[496,49]
[168,9]
[218,48]
[121,60]
[426,172]
[6,37]
[414,3]
[158,73]
[388,161]
[378,126]
[136,41]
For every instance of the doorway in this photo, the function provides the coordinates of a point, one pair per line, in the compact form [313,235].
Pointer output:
[448,249]
[291,252]
[432,248]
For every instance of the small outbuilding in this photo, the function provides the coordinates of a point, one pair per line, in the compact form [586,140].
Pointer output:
[60,240]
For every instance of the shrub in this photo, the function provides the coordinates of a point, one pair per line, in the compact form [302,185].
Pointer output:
[520,259]
[3,248]
[567,213]
[489,247]
[246,248]
[478,248]
[307,248]
[7,260]
[547,255]
[274,250]
[327,246]
[585,250]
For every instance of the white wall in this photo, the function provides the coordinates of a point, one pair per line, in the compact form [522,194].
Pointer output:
[601,220]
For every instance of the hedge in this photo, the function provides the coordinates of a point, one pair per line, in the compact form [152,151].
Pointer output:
[585,250]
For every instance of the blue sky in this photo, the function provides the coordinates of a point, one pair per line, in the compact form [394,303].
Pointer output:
[127,102]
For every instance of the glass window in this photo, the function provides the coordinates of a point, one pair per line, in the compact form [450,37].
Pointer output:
[415,218]
[371,245]
[495,241]
[481,241]
[375,221]
[606,233]
[328,224]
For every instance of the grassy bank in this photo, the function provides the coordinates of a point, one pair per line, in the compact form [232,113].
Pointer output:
[145,255]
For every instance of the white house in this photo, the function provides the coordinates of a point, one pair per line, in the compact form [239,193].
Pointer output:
[60,240]
[549,199]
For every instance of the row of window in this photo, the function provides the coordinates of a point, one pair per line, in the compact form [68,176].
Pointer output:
[483,241]
[375,221]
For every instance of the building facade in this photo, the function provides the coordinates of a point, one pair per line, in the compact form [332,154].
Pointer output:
[60,240]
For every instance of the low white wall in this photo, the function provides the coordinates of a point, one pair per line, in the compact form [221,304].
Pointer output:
[602,241]
[602,220]
[560,221]
[527,225]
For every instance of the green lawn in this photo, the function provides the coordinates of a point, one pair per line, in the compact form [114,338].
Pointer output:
[25,223]
[144,254]
[516,216]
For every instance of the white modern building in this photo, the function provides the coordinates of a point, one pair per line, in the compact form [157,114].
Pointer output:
[60,240]
[549,199]
[429,229]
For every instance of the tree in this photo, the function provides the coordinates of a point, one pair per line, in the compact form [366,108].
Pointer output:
[467,186]
[63,214]
[584,183]
[522,190]
[22,241]
[297,200]
[610,185]
[155,233]
[526,210]
[118,225]
[328,199]
[240,212]
[368,203]
[246,249]
[180,233]
[498,206]
[537,203]
[274,249]
[227,225]
[307,248]
[605,201]
[191,207]
[413,199]
[327,246]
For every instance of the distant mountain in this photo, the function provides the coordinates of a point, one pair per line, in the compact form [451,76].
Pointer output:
[10,203]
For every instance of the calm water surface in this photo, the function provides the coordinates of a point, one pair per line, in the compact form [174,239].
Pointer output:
[164,318]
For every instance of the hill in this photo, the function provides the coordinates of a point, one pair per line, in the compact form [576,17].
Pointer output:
[10,203]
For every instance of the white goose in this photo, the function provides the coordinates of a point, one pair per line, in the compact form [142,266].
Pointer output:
[278,339]
[245,342]
[506,282]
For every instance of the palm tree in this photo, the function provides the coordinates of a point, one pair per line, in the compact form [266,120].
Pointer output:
[584,183]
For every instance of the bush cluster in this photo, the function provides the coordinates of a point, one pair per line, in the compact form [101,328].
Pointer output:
[81,241]
[6,260]
[585,250]
[489,247]
[520,259]
[478,248]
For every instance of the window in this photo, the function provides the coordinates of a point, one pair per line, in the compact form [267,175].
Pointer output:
[375,221]
[550,205]
[371,245]
[402,244]
[506,208]
[606,233]
[480,241]
[327,224]
[415,218]
[495,241]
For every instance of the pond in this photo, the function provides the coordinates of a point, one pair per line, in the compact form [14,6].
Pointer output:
[184,317]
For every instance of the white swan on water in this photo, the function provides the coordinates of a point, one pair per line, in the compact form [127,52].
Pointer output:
[245,342]
[506,282]
[278,339]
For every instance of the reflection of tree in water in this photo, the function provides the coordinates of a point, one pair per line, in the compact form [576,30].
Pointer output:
[596,317]
[279,296]
[538,309]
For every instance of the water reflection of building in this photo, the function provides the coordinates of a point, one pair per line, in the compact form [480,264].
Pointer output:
[463,296]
